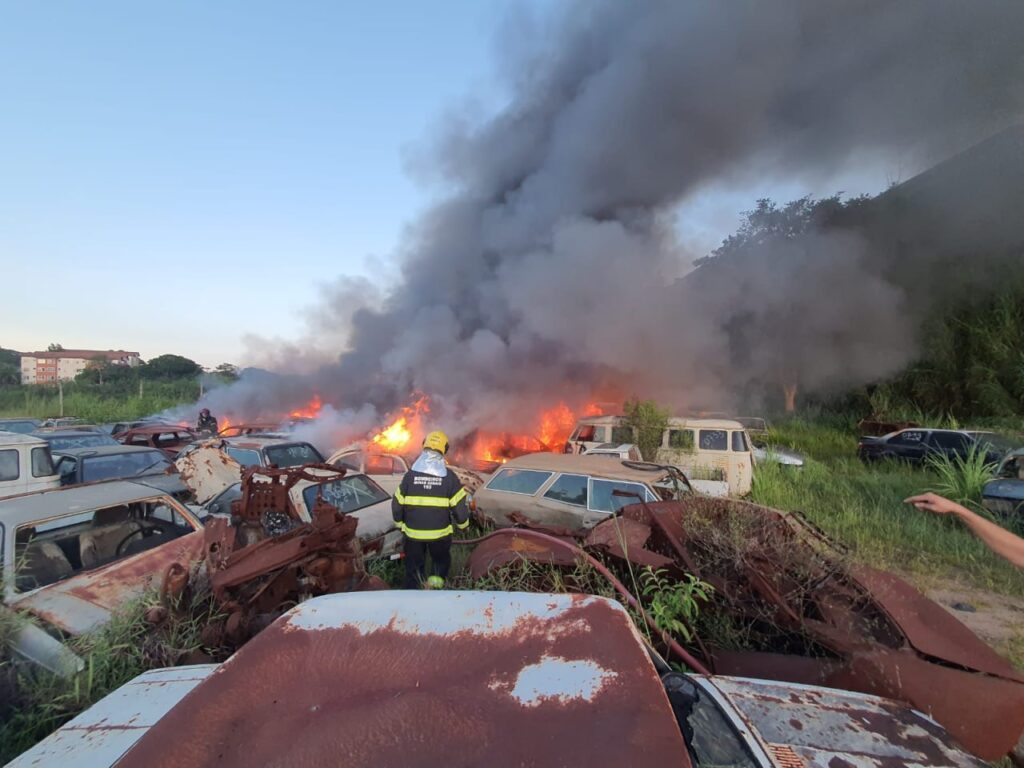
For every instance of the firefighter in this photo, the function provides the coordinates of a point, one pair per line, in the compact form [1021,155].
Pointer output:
[428,505]
[206,424]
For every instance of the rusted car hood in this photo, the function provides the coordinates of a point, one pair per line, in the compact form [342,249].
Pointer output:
[429,678]
[827,728]
[84,602]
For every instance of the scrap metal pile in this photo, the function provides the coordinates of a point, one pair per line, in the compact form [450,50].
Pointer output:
[265,559]
[787,606]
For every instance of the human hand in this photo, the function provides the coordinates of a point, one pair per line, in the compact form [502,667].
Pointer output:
[932,502]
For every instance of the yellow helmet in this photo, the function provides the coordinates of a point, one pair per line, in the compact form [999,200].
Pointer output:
[436,441]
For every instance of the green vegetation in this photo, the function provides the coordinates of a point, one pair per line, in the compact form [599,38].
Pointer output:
[34,703]
[861,507]
[648,421]
[97,403]
[674,604]
[106,392]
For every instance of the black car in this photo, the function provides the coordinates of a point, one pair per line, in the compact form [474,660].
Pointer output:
[915,445]
[120,462]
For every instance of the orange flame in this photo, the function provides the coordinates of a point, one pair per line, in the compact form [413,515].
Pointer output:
[399,434]
[310,410]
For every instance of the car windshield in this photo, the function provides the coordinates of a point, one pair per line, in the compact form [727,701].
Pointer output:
[120,465]
[995,442]
[709,737]
[63,442]
[293,455]
[348,494]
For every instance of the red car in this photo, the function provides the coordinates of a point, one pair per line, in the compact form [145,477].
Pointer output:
[169,438]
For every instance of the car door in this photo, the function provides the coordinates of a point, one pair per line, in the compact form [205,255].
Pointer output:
[910,444]
[950,444]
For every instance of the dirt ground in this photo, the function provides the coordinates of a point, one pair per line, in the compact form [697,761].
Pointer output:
[997,619]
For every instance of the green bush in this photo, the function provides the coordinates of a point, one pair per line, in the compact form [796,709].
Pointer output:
[648,422]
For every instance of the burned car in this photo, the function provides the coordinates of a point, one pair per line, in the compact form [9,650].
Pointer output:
[574,492]
[71,557]
[216,480]
[779,602]
[1004,494]
[523,679]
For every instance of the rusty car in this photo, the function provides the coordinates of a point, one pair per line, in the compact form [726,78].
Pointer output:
[785,604]
[215,477]
[71,557]
[169,438]
[513,679]
[574,492]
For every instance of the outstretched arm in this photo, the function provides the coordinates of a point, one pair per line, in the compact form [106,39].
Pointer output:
[999,540]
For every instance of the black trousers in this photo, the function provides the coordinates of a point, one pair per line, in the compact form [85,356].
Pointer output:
[416,560]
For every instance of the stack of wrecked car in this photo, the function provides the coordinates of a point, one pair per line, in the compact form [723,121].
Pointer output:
[787,606]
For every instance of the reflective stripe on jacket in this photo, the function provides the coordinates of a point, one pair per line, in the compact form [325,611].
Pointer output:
[427,508]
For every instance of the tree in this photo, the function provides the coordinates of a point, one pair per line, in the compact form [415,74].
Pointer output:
[648,421]
[171,367]
[55,348]
[227,371]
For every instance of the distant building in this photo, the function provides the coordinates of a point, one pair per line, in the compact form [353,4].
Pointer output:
[65,364]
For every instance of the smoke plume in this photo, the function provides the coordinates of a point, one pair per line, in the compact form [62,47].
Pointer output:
[552,268]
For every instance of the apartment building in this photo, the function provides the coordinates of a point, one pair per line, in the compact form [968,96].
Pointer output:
[65,364]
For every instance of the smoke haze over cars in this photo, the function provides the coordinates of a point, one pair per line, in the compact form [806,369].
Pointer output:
[552,266]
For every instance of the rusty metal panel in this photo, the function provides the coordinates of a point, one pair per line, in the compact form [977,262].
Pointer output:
[494,553]
[84,602]
[827,728]
[105,731]
[429,678]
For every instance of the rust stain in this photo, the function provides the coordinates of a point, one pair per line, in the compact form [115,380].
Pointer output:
[338,696]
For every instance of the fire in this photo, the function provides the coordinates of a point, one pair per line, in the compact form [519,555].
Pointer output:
[224,424]
[556,425]
[310,410]
[397,435]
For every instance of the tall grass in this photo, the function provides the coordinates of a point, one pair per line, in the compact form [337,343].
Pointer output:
[96,404]
[862,507]
[961,478]
[39,703]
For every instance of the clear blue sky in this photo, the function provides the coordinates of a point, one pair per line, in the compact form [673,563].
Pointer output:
[175,175]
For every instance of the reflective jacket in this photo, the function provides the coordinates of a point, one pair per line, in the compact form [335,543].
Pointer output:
[426,507]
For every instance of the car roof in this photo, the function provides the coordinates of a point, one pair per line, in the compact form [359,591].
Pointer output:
[30,507]
[596,466]
[156,428]
[674,421]
[538,679]
[17,438]
[60,434]
[260,441]
[10,419]
[106,450]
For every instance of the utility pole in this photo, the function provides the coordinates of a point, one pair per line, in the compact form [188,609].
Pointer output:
[60,395]
[140,387]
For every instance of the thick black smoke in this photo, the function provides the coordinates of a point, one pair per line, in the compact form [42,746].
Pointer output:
[553,264]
